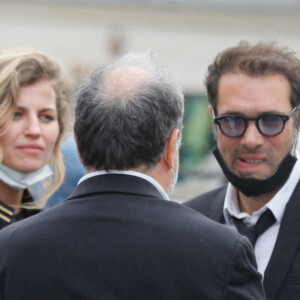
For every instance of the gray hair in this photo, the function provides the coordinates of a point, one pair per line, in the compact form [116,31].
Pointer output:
[117,130]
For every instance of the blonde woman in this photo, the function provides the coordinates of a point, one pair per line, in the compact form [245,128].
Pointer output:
[34,115]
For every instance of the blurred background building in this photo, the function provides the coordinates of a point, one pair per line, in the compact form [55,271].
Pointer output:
[186,35]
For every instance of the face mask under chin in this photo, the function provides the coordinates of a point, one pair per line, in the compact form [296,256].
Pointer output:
[256,187]
[20,180]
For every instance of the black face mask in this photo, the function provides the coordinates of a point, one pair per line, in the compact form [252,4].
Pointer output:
[257,187]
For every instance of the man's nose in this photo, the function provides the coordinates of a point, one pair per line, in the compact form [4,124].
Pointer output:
[252,138]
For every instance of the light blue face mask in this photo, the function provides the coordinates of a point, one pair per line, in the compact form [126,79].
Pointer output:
[20,180]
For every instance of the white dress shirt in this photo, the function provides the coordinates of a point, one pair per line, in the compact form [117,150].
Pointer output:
[132,173]
[265,243]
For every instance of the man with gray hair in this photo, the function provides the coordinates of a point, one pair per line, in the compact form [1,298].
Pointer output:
[118,236]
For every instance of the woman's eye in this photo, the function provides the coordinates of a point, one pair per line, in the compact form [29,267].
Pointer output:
[17,114]
[47,118]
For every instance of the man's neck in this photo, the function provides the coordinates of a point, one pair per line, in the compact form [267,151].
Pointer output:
[253,203]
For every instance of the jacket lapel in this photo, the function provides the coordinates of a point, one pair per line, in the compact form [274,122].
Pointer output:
[215,210]
[287,242]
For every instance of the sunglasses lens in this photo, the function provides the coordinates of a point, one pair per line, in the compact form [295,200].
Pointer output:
[232,126]
[270,125]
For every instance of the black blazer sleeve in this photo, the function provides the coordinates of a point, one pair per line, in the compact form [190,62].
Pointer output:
[243,280]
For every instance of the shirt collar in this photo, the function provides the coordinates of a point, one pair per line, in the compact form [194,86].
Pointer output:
[276,204]
[132,173]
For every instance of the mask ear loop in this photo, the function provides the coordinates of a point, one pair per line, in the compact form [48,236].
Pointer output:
[213,114]
[214,127]
[295,143]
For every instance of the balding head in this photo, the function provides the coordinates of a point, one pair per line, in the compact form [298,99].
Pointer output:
[125,80]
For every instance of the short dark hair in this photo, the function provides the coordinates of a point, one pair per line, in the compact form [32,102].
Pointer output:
[117,131]
[261,59]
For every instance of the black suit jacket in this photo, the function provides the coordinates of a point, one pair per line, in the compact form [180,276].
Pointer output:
[282,275]
[115,238]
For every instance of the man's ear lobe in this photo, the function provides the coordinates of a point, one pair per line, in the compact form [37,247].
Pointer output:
[170,153]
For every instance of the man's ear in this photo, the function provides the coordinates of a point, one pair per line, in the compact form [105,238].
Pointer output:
[170,153]
[211,111]
[75,138]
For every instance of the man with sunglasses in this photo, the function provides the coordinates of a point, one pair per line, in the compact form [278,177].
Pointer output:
[254,94]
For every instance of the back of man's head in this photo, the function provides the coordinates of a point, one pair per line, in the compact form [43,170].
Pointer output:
[126,112]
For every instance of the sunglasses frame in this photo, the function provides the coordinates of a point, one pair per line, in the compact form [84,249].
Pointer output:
[284,118]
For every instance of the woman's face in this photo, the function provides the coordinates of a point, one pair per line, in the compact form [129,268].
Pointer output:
[29,141]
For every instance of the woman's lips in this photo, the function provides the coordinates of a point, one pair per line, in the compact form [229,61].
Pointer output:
[31,148]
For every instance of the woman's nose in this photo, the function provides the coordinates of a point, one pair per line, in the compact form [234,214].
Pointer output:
[32,126]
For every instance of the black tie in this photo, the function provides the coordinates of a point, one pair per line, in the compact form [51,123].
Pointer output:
[265,221]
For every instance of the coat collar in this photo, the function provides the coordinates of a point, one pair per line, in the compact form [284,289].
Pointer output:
[215,209]
[115,183]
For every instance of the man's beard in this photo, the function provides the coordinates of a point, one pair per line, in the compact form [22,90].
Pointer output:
[257,187]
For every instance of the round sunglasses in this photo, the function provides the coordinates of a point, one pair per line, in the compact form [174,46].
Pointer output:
[268,125]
